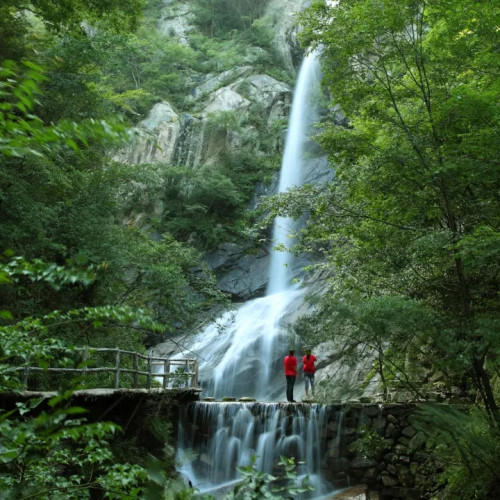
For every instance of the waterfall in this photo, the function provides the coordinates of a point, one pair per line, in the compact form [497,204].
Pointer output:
[238,431]
[241,354]
[302,117]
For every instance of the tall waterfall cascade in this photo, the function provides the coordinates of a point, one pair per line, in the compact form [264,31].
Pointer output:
[241,355]
[303,116]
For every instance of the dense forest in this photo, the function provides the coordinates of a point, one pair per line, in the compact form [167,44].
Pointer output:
[407,232]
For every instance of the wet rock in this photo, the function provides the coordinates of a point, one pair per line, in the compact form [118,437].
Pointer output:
[403,440]
[391,418]
[401,449]
[417,441]
[389,481]
[358,492]
[391,468]
[239,273]
[370,474]
[349,431]
[362,463]
[342,480]
[391,430]
[372,410]
[379,423]
[409,431]
[339,465]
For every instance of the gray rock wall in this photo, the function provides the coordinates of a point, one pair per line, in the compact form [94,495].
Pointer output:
[166,137]
[397,467]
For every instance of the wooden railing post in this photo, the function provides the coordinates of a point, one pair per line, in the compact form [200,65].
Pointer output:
[166,373]
[136,370]
[148,376]
[25,377]
[117,370]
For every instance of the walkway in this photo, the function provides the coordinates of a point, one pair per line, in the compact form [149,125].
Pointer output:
[101,371]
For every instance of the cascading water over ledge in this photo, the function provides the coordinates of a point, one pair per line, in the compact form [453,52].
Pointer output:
[219,437]
[241,354]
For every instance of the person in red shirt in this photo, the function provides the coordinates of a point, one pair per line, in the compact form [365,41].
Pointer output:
[308,368]
[290,363]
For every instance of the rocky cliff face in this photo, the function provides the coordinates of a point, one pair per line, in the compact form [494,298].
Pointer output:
[187,139]
[198,139]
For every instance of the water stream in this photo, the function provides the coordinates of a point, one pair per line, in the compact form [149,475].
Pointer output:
[303,115]
[226,435]
[241,355]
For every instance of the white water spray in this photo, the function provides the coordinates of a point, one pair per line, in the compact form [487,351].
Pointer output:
[302,117]
[241,354]
[242,430]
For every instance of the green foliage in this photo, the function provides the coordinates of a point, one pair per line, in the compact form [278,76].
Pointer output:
[408,228]
[216,17]
[55,453]
[224,121]
[60,204]
[146,66]
[370,444]
[37,270]
[233,30]
[198,201]
[466,446]
[410,215]
[256,485]
[25,133]
[207,206]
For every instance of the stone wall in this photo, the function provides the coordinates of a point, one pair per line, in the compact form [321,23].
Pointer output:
[373,444]
[396,465]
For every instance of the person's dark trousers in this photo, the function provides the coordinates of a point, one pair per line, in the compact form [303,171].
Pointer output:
[290,382]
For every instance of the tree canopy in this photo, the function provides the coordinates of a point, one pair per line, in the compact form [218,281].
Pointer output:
[409,228]
[413,211]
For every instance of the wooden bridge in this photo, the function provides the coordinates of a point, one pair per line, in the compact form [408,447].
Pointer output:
[129,371]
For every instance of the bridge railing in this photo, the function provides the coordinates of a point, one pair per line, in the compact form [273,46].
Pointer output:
[172,373]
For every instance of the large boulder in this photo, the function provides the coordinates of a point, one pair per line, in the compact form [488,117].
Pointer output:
[213,82]
[244,275]
[226,99]
[155,138]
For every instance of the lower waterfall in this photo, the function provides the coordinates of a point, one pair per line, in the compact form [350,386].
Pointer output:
[217,437]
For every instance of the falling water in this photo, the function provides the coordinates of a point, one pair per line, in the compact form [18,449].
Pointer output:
[302,117]
[241,430]
[241,354]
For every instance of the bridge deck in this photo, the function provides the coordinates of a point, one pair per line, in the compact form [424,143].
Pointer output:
[111,392]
